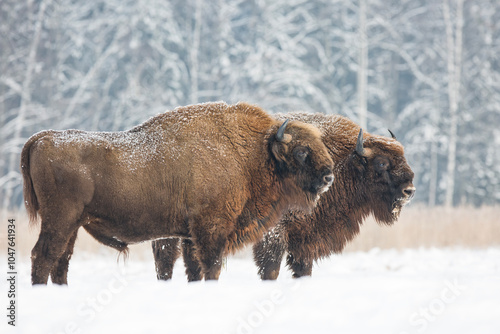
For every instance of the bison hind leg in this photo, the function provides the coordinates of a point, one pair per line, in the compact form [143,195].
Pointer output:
[47,251]
[40,264]
[59,273]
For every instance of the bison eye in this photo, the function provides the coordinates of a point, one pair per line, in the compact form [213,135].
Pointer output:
[300,153]
[381,164]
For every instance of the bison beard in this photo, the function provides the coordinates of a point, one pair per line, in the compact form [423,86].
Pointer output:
[371,177]
[217,175]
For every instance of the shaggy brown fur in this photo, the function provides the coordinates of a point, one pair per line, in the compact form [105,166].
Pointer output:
[217,174]
[377,182]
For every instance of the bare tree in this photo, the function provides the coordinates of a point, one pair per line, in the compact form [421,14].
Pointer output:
[24,91]
[454,63]
[362,65]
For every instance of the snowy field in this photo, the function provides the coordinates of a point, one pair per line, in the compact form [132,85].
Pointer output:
[411,291]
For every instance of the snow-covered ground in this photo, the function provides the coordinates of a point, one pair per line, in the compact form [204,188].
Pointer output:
[412,291]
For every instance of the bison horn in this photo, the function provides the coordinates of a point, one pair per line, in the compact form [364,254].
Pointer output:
[280,135]
[359,144]
[392,134]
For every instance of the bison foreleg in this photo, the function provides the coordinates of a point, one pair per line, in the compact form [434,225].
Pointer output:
[166,252]
[193,269]
[209,250]
[268,255]
[299,267]
[59,273]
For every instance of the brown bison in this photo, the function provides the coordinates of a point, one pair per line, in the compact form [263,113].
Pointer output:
[371,177]
[220,175]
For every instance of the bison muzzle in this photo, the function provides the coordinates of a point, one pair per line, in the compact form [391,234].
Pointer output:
[219,175]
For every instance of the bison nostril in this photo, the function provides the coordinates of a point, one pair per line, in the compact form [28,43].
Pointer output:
[328,179]
[409,192]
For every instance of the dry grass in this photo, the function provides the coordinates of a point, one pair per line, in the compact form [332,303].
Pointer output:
[418,226]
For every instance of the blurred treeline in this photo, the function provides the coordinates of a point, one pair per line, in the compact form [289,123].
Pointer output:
[428,70]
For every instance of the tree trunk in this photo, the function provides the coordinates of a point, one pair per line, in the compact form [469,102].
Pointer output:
[194,64]
[454,60]
[433,175]
[362,65]
[434,167]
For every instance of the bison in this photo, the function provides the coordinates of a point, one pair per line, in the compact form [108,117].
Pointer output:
[218,174]
[371,177]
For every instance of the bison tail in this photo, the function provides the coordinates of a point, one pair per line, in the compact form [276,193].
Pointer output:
[30,199]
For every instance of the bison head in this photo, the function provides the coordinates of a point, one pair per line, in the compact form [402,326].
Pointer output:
[386,176]
[303,160]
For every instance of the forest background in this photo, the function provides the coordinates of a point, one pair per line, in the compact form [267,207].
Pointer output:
[428,70]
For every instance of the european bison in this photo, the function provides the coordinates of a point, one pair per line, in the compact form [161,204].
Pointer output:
[371,177]
[218,174]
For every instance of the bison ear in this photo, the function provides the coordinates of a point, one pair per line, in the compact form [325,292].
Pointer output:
[279,151]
